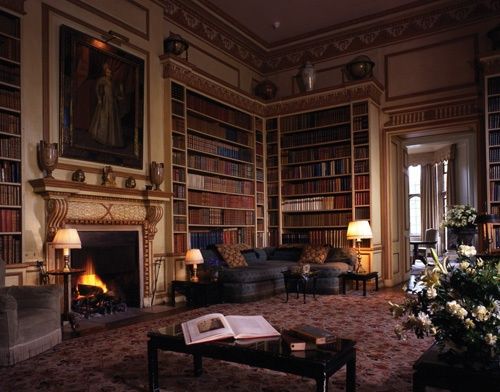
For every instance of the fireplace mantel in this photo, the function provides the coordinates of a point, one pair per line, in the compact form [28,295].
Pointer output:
[80,204]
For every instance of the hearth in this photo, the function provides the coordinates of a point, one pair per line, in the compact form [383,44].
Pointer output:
[111,281]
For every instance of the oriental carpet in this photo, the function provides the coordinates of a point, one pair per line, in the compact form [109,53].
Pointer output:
[116,360]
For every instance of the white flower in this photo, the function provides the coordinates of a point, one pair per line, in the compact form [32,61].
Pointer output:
[464,265]
[424,319]
[481,313]
[469,324]
[490,339]
[431,293]
[456,310]
[466,250]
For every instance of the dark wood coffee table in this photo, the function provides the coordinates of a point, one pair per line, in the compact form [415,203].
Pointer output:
[357,277]
[273,354]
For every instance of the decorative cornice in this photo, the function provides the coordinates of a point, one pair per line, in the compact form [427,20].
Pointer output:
[490,64]
[14,5]
[438,112]
[454,14]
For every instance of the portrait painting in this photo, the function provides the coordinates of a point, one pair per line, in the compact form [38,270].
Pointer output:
[101,101]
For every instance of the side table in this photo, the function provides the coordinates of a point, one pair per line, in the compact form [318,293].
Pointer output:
[357,277]
[201,293]
[67,313]
[299,280]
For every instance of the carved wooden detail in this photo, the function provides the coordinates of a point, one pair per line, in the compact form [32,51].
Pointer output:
[490,65]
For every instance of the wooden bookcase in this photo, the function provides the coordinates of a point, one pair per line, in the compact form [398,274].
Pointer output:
[273,183]
[217,172]
[10,140]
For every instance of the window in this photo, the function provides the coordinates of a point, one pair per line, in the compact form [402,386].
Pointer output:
[414,200]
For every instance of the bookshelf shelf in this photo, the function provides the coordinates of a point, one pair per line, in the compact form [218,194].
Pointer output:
[10,140]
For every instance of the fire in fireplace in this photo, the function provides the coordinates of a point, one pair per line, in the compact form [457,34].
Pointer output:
[111,281]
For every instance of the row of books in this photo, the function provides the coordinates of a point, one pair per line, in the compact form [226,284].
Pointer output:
[272,188]
[206,238]
[178,124]
[271,124]
[213,165]
[360,108]
[272,149]
[180,223]
[315,119]
[178,108]
[495,172]
[10,147]
[494,121]
[361,198]
[494,138]
[333,237]
[260,212]
[10,248]
[179,191]
[272,174]
[272,161]
[494,104]
[178,158]
[361,166]
[10,220]
[260,240]
[495,191]
[10,49]
[219,148]
[260,195]
[338,184]
[495,210]
[273,237]
[216,129]
[10,99]
[494,155]
[196,181]
[260,225]
[221,112]
[259,149]
[10,123]
[359,123]
[10,74]
[179,207]
[361,213]
[329,219]
[316,154]
[360,137]
[361,182]
[494,86]
[10,171]
[10,195]
[178,174]
[317,203]
[361,152]
[178,141]
[220,200]
[180,243]
[177,91]
[273,203]
[324,135]
[273,218]
[9,24]
[320,169]
[259,175]
[259,161]
[272,137]
[216,216]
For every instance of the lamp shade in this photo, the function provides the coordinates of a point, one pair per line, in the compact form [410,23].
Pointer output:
[67,239]
[193,256]
[358,230]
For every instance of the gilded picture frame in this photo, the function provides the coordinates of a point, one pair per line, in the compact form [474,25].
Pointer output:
[101,101]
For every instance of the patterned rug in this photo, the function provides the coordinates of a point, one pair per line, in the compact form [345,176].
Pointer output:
[116,360]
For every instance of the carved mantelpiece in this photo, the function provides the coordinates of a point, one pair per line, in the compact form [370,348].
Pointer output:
[80,204]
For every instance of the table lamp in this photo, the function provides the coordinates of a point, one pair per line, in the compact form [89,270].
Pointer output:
[194,257]
[357,231]
[67,239]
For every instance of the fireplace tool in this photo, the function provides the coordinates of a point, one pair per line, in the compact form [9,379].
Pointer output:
[157,265]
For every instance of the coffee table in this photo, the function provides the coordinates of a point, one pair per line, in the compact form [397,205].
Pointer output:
[272,354]
[299,280]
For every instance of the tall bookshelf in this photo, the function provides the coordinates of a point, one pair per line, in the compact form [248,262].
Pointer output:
[273,182]
[217,172]
[324,172]
[492,124]
[10,140]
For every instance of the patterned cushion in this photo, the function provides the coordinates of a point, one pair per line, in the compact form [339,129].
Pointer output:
[232,254]
[315,254]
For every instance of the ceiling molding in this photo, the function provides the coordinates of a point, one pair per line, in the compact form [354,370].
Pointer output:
[451,15]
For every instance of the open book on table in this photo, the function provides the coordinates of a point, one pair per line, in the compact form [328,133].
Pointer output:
[216,326]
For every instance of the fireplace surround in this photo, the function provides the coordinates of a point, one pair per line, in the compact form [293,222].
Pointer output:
[93,208]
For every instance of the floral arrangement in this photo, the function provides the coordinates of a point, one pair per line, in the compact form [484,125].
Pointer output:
[459,216]
[458,305]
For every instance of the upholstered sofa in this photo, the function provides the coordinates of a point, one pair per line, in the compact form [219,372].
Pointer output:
[30,320]
[262,275]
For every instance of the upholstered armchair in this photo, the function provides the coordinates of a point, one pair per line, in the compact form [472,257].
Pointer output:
[30,320]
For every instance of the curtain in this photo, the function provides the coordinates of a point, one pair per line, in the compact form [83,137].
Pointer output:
[429,197]
[450,178]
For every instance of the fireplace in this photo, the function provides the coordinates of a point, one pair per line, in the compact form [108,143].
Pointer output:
[111,261]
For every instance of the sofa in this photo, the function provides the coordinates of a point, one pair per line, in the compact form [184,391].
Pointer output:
[261,275]
[30,320]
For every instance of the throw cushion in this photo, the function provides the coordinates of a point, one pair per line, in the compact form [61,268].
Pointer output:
[346,255]
[288,254]
[315,254]
[249,255]
[261,254]
[232,254]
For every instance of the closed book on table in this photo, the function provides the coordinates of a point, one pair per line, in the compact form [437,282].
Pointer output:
[313,334]
[296,344]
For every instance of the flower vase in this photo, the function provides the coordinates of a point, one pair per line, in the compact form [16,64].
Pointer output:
[464,235]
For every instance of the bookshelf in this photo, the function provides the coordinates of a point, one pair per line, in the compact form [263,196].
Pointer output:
[217,172]
[10,140]
[324,172]
[273,182]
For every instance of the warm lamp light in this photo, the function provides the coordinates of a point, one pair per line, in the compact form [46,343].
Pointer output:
[194,257]
[357,231]
[67,239]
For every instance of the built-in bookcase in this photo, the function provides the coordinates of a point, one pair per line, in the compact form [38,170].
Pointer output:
[492,123]
[217,173]
[10,140]
[273,182]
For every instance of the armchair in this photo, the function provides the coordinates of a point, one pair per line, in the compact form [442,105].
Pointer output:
[420,248]
[30,320]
